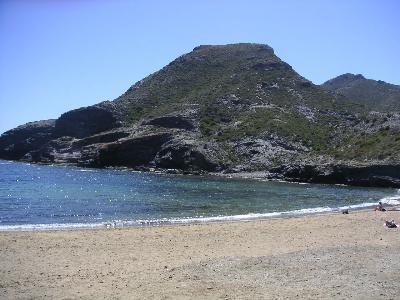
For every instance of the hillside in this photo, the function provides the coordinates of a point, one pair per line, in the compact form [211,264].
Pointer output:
[224,109]
[375,95]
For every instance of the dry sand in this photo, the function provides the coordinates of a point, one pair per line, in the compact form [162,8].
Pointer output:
[328,256]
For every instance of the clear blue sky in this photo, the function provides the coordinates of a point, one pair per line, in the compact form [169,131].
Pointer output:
[57,55]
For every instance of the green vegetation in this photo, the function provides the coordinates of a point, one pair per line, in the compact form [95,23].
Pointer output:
[384,143]
[374,95]
[244,90]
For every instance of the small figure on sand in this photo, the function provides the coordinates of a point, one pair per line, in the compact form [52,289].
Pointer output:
[390,224]
[380,207]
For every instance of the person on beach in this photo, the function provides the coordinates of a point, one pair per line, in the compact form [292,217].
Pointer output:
[380,207]
[390,224]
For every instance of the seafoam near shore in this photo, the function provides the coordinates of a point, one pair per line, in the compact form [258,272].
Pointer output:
[390,200]
[316,256]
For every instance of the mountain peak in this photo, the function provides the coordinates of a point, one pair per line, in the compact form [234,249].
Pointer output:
[376,95]
[343,79]
[240,50]
[238,46]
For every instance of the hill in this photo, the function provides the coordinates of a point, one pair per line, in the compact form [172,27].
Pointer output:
[230,109]
[375,95]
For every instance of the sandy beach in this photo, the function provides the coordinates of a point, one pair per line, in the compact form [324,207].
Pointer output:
[313,257]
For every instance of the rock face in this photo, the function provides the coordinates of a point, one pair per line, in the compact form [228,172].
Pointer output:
[132,152]
[230,109]
[59,151]
[84,122]
[15,143]
[370,175]
[184,155]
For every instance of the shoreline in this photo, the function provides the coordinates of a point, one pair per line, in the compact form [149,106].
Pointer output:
[318,256]
[126,224]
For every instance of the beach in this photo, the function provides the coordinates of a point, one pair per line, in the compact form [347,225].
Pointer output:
[330,256]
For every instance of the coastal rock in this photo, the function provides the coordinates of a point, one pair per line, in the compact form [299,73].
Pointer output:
[368,175]
[131,152]
[262,153]
[70,150]
[15,143]
[184,155]
[58,151]
[104,137]
[85,121]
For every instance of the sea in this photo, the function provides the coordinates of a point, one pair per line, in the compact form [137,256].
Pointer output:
[42,197]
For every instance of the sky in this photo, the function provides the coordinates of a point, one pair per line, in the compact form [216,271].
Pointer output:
[58,55]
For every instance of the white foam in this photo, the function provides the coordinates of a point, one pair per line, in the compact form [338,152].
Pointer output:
[390,200]
[56,226]
[163,221]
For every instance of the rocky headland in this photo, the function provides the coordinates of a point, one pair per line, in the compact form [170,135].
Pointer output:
[232,110]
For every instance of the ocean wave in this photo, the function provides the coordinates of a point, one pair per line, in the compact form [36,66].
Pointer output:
[389,200]
[55,226]
[177,221]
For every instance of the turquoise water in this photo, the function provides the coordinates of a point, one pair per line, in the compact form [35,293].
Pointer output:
[35,197]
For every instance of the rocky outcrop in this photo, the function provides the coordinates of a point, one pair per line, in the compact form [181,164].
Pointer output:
[185,155]
[70,150]
[85,121]
[57,151]
[15,143]
[261,153]
[370,175]
[104,137]
[131,152]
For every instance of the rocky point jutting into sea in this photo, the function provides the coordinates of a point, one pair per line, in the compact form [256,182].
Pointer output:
[232,109]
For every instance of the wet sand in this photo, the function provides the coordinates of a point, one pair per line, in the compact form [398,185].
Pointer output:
[314,257]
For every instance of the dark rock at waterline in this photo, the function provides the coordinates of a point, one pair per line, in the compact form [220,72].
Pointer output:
[369,175]
[70,150]
[58,151]
[15,143]
[131,152]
